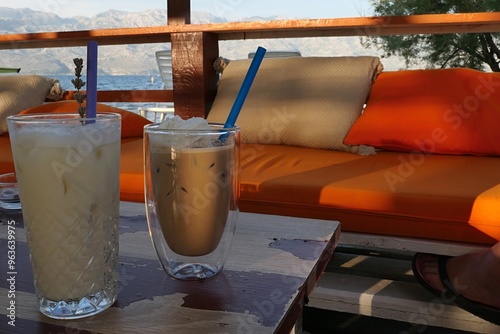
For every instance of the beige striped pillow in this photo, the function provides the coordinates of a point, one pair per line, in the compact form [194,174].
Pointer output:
[299,101]
[19,92]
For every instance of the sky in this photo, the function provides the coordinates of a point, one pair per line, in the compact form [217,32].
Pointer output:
[230,9]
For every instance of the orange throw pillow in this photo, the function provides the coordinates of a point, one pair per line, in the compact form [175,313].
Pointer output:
[444,111]
[132,124]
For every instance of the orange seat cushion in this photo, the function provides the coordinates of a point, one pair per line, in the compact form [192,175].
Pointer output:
[6,163]
[446,111]
[132,170]
[425,196]
[440,197]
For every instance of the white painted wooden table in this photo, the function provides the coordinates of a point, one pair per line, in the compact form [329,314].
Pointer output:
[273,267]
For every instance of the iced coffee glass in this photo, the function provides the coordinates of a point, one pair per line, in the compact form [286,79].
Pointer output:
[191,189]
[68,177]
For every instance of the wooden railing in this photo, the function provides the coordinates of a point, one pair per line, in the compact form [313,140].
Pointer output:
[359,26]
[195,46]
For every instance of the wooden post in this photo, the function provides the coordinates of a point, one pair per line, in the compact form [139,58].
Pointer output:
[193,54]
[195,80]
[179,12]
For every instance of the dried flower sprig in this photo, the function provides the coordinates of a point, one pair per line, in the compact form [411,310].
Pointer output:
[79,83]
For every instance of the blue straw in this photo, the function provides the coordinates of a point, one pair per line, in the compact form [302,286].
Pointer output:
[245,87]
[91,100]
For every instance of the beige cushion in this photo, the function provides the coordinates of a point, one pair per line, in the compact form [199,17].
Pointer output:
[19,92]
[299,101]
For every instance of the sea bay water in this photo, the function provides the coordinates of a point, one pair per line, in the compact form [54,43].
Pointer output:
[119,82]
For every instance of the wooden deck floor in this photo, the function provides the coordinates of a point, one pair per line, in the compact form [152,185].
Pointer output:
[370,291]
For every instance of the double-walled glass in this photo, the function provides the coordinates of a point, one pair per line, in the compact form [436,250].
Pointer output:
[68,177]
[191,189]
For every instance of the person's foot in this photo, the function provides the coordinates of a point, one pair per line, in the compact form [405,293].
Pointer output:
[474,276]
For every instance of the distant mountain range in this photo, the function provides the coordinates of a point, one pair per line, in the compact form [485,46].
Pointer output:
[139,59]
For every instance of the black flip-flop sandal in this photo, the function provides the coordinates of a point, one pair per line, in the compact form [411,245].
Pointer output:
[450,295]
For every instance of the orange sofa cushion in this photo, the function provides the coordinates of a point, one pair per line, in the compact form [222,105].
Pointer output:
[131,157]
[6,163]
[132,170]
[440,197]
[446,111]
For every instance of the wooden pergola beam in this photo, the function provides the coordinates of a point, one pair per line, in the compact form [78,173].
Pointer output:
[359,26]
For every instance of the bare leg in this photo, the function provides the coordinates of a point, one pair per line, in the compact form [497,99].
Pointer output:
[476,276]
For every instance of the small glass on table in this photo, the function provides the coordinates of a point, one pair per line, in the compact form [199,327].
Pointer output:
[9,194]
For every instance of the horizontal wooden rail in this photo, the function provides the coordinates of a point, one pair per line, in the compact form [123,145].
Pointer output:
[118,36]
[359,26]
[129,96]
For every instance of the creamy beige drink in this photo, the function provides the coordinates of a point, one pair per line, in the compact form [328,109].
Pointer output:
[191,191]
[68,178]
[193,194]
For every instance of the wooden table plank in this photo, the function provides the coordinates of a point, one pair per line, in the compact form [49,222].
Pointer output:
[274,264]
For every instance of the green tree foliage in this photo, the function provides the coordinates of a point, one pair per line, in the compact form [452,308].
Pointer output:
[478,51]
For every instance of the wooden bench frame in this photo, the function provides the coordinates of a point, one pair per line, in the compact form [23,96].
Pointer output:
[195,47]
